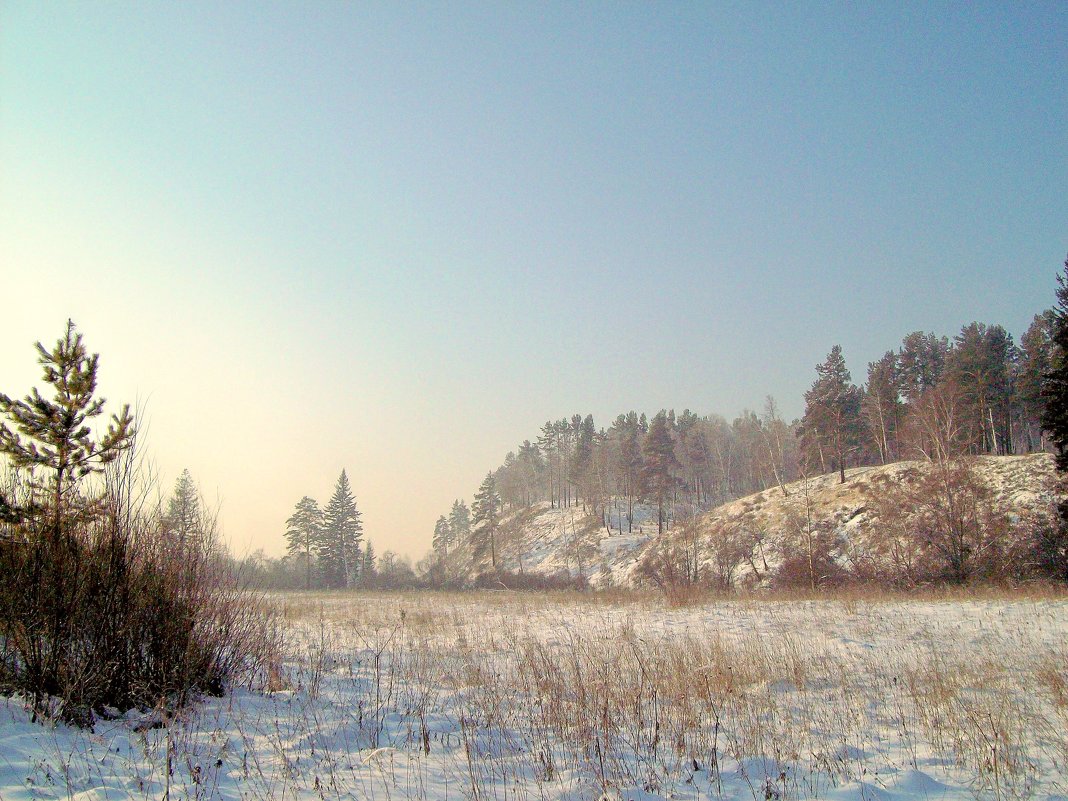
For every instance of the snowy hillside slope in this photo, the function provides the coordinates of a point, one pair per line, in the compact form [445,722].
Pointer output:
[555,542]
[1022,485]
[560,542]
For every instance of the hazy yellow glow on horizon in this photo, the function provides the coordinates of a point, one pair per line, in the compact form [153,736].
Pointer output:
[262,398]
[398,239]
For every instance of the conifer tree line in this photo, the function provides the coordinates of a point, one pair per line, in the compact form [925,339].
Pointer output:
[932,397]
[327,543]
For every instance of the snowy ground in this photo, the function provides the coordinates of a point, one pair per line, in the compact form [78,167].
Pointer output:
[510,696]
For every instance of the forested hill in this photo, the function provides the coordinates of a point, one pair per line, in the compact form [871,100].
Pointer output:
[930,399]
[902,524]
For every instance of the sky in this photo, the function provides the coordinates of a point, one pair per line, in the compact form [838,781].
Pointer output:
[396,238]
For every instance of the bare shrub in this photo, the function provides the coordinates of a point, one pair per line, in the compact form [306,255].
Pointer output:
[508,580]
[730,546]
[891,557]
[944,524]
[810,548]
[670,568]
[120,613]
[809,555]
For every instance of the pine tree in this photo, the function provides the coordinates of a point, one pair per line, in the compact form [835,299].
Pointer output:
[339,546]
[921,362]
[459,523]
[830,426]
[582,462]
[55,436]
[442,536]
[51,442]
[487,518]
[981,363]
[1055,383]
[549,445]
[630,461]
[303,533]
[697,456]
[661,465]
[530,467]
[1035,347]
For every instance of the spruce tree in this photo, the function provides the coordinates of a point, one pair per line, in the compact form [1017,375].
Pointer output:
[183,516]
[368,570]
[339,543]
[303,533]
[1054,544]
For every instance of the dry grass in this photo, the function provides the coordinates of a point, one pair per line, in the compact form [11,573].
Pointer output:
[536,688]
[519,696]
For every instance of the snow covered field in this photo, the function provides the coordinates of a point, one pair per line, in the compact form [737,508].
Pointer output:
[512,696]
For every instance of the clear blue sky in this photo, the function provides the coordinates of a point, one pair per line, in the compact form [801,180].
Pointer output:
[397,238]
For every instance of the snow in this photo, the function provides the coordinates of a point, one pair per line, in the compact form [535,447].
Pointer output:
[553,541]
[421,696]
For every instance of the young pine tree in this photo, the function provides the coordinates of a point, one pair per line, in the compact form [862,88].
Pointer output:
[54,437]
[51,442]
